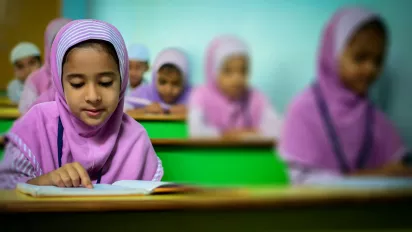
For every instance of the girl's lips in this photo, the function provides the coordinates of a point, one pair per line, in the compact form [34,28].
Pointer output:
[93,113]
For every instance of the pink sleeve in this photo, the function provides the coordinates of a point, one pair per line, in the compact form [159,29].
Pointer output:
[28,97]
[15,168]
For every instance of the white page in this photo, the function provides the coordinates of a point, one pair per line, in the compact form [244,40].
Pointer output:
[149,186]
[98,190]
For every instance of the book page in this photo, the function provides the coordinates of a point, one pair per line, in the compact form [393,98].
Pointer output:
[149,186]
[98,190]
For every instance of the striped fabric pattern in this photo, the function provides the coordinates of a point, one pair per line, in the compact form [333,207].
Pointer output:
[84,30]
[15,168]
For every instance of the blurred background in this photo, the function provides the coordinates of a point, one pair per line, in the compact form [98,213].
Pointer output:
[283,36]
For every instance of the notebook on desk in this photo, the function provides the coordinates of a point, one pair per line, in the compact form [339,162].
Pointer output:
[119,188]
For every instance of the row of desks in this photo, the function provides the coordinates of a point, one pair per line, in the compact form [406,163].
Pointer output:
[218,162]
[256,209]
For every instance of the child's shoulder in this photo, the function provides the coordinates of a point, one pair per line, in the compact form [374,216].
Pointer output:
[302,100]
[130,124]
[44,109]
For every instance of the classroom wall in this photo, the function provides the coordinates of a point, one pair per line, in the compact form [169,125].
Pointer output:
[283,35]
[75,9]
[22,20]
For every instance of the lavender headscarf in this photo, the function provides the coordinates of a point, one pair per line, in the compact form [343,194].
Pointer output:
[119,146]
[149,92]
[219,111]
[304,140]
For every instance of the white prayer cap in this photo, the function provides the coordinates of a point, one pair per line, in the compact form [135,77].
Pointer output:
[138,52]
[23,50]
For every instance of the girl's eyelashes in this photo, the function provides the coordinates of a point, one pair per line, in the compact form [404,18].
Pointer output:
[106,84]
[77,85]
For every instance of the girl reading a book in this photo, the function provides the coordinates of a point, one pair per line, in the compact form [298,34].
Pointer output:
[226,105]
[332,129]
[169,89]
[83,137]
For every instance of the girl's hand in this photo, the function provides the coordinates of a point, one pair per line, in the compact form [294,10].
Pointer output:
[154,108]
[69,175]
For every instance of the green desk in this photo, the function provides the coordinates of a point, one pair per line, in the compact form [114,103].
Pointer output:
[157,126]
[221,162]
[7,116]
[163,126]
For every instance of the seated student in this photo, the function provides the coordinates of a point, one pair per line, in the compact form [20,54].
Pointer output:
[138,66]
[226,105]
[83,137]
[169,89]
[40,81]
[332,129]
[25,58]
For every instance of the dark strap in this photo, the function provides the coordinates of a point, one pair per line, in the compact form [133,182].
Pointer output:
[60,130]
[365,150]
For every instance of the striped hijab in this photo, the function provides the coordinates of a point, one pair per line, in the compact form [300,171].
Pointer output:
[119,146]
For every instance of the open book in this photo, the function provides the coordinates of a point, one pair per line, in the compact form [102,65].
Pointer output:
[119,188]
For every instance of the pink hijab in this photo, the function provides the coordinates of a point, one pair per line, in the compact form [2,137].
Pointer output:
[149,92]
[120,146]
[305,139]
[41,79]
[219,111]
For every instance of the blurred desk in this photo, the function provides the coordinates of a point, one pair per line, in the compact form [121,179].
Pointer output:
[7,116]
[9,113]
[259,209]
[221,162]
[5,102]
[163,126]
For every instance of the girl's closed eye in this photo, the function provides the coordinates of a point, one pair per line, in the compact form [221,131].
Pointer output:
[106,84]
[77,85]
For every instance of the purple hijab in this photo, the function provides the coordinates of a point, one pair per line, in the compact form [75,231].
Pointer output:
[219,111]
[119,146]
[304,140]
[149,92]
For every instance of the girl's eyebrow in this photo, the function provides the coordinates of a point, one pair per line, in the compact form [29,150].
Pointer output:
[107,74]
[74,75]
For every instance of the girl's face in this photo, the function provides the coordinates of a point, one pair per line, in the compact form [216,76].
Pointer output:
[136,72]
[169,84]
[91,83]
[25,66]
[362,59]
[233,77]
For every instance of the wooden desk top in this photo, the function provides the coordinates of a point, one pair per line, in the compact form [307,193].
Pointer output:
[269,198]
[269,143]
[9,113]
[4,101]
[157,117]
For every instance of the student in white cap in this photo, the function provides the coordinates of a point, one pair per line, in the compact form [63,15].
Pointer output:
[138,65]
[25,58]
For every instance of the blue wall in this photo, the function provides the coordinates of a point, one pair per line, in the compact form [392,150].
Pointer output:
[283,35]
[75,9]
